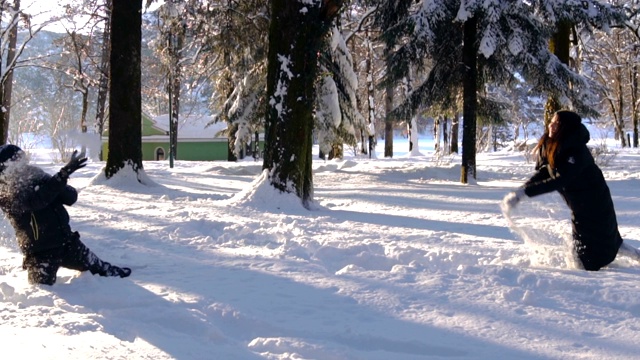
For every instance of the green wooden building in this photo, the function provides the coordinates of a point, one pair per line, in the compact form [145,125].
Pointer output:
[196,140]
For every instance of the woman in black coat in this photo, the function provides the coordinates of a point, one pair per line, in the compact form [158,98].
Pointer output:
[34,202]
[566,165]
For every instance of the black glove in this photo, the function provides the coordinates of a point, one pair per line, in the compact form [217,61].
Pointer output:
[76,162]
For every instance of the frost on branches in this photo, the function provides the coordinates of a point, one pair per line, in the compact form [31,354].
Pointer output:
[513,39]
[337,117]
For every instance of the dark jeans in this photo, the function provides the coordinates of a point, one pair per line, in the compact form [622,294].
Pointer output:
[73,254]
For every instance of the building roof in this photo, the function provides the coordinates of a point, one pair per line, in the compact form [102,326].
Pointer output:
[190,127]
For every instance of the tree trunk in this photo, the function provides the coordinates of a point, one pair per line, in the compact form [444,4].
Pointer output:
[410,127]
[103,73]
[371,109]
[4,125]
[455,126]
[125,111]
[559,45]
[445,134]
[635,115]
[231,154]
[176,43]
[83,112]
[295,36]
[436,133]
[619,125]
[410,135]
[7,84]
[469,58]
[228,81]
[388,122]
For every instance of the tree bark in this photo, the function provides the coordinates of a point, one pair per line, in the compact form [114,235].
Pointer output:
[125,111]
[371,109]
[635,115]
[7,85]
[469,58]
[619,124]
[79,84]
[176,42]
[103,72]
[445,135]
[559,45]
[455,126]
[228,81]
[388,122]
[295,37]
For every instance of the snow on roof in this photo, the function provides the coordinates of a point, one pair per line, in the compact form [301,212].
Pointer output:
[192,126]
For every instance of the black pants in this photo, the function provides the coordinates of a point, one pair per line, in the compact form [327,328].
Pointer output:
[43,266]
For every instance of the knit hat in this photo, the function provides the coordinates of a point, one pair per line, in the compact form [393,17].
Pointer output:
[9,152]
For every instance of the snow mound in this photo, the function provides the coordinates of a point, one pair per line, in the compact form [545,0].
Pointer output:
[126,179]
[261,194]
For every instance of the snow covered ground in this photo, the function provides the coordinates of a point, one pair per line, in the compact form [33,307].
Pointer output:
[397,260]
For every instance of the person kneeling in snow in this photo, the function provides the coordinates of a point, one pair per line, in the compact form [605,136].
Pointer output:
[566,165]
[34,201]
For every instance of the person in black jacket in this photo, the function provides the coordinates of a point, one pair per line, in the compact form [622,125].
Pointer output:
[566,165]
[34,202]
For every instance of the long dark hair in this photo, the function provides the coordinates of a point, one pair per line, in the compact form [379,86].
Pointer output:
[568,122]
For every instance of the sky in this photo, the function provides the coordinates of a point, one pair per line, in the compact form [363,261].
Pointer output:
[396,260]
[45,10]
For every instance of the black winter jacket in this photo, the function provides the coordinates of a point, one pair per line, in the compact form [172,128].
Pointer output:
[33,201]
[581,183]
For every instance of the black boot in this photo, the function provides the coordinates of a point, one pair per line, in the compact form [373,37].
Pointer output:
[111,270]
[123,272]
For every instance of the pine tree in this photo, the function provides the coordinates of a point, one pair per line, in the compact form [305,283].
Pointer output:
[511,37]
[392,18]
[566,20]
[228,44]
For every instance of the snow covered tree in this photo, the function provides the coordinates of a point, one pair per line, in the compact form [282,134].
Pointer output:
[524,112]
[228,43]
[85,55]
[560,46]
[470,100]
[338,119]
[11,16]
[296,33]
[613,69]
[370,94]
[226,46]
[634,76]
[392,18]
[612,60]
[125,112]
[6,83]
[76,63]
[103,68]
[566,20]
[509,37]
[172,38]
[357,23]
